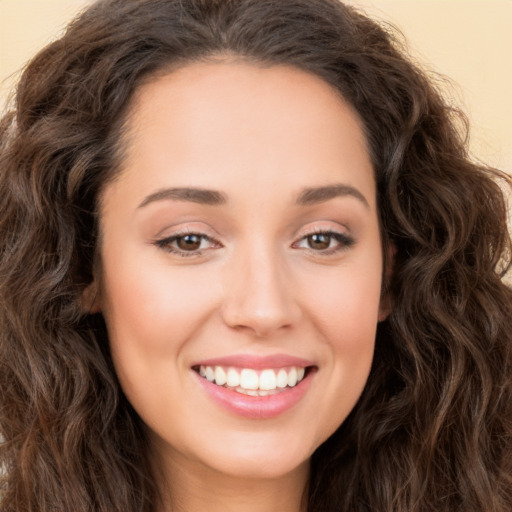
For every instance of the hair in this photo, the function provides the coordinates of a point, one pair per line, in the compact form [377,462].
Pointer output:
[433,427]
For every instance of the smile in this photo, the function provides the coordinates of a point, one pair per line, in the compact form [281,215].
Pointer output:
[253,382]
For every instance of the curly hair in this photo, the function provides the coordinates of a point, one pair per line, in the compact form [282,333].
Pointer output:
[433,428]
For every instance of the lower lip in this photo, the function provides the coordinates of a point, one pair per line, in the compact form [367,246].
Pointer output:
[256,407]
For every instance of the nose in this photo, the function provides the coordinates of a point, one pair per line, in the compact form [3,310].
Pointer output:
[259,295]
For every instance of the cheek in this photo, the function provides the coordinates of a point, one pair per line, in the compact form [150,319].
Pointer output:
[345,301]
[344,309]
[151,310]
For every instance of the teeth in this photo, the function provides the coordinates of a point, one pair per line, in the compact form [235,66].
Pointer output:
[233,378]
[292,377]
[210,374]
[220,376]
[249,379]
[250,382]
[282,379]
[267,380]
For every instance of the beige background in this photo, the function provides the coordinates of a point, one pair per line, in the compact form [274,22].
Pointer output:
[467,40]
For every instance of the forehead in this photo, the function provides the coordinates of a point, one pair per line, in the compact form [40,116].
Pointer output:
[221,125]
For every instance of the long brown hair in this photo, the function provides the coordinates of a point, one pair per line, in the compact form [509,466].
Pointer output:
[433,428]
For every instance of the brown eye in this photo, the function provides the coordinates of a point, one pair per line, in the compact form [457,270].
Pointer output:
[189,242]
[325,243]
[319,241]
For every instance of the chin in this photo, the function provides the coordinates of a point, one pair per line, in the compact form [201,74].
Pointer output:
[258,455]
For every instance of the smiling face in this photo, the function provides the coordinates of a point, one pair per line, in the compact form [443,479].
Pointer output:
[241,266]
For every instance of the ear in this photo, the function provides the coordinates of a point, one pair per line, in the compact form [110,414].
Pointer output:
[90,300]
[386,303]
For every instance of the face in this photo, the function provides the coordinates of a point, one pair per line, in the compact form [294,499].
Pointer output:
[241,266]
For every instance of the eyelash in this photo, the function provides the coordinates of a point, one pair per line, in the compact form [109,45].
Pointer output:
[343,242]
[166,244]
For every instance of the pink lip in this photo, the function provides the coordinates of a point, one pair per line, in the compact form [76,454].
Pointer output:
[256,362]
[256,407]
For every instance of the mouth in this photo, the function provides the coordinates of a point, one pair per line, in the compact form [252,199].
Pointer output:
[254,382]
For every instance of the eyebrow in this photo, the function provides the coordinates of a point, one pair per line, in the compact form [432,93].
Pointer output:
[193,195]
[308,196]
[317,195]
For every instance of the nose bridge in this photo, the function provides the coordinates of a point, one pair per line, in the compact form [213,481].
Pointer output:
[258,294]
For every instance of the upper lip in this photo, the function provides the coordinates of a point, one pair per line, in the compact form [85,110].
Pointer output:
[255,362]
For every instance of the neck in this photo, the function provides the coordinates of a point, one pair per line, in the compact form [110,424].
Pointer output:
[189,486]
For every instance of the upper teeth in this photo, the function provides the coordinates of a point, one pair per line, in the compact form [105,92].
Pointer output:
[249,379]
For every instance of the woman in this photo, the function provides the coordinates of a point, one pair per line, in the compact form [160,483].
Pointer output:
[246,263]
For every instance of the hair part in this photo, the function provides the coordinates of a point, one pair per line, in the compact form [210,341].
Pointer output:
[432,430]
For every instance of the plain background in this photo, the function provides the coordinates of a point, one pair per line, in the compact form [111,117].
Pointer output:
[469,41]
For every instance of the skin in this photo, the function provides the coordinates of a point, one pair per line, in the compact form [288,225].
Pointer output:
[256,286]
